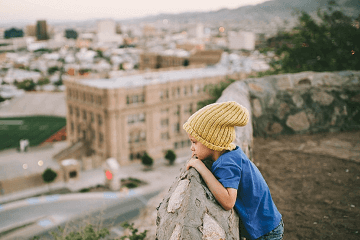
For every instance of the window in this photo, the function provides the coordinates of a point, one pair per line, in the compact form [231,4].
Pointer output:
[188,108]
[141,117]
[100,121]
[92,98]
[136,137]
[164,94]
[130,99]
[185,91]
[101,139]
[135,99]
[84,134]
[165,136]
[84,97]
[177,127]
[92,117]
[72,127]
[197,88]
[84,115]
[164,122]
[135,118]
[143,136]
[78,129]
[177,112]
[130,119]
[142,98]
[70,110]
[99,100]
[77,112]
[93,135]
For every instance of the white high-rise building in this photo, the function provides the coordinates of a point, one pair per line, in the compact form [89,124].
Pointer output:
[241,40]
[196,31]
[106,32]
[107,27]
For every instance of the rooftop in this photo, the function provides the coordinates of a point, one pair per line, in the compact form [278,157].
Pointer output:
[154,78]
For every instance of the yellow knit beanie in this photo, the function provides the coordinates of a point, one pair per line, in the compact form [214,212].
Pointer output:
[214,124]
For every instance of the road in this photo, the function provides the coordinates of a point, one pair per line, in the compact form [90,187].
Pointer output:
[40,219]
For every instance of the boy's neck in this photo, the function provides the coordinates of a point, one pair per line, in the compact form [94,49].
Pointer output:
[217,154]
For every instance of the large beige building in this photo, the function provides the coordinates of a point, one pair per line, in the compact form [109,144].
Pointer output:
[124,117]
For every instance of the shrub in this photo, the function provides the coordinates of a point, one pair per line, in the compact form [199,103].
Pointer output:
[85,190]
[84,234]
[147,160]
[131,185]
[170,156]
[49,175]
[134,235]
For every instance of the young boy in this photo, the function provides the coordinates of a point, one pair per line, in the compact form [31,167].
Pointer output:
[233,180]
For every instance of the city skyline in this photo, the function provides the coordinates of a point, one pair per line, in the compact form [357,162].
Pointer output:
[28,11]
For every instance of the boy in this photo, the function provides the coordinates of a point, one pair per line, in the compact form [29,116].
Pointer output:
[233,180]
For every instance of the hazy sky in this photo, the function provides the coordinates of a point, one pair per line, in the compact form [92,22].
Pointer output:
[32,10]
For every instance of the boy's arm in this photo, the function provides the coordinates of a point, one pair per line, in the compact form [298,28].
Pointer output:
[225,196]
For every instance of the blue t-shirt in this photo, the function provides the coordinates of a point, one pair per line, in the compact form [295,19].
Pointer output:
[257,211]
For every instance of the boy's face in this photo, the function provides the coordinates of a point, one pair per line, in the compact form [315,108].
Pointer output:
[199,149]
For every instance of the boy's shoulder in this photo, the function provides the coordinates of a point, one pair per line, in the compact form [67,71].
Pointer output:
[233,156]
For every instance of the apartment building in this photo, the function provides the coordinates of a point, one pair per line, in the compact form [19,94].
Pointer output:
[200,57]
[124,117]
[155,61]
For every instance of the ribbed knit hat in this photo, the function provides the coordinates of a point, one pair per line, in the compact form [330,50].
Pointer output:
[214,124]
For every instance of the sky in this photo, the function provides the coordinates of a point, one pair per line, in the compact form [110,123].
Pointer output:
[28,11]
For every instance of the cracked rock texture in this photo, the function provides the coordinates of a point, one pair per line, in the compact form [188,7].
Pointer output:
[199,216]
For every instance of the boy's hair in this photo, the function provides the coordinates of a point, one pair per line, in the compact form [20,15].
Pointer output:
[214,124]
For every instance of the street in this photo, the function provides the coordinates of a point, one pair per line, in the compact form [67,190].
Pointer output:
[40,219]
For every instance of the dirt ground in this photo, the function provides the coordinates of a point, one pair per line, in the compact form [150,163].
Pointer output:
[315,183]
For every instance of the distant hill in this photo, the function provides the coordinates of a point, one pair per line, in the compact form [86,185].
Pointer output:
[262,12]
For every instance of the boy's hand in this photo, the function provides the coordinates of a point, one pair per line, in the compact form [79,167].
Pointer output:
[195,163]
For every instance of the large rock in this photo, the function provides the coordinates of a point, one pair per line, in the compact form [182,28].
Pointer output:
[298,122]
[190,211]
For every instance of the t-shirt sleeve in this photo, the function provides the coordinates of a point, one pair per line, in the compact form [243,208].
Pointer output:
[228,174]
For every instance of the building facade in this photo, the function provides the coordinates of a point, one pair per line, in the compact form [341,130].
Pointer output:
[241,40]
[124,117]
[156,61]
[41,30]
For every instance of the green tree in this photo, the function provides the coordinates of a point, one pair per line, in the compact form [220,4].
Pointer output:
[329,45]
[27,85]
[49,176]
[43,81]
[146,160]
[170,156]
[52,70]
[215,91]
[58,83]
